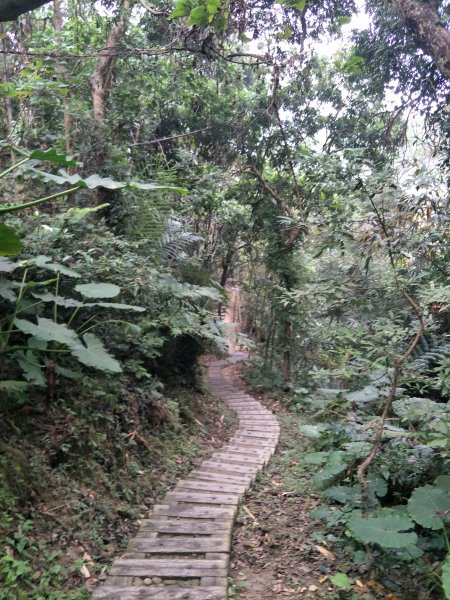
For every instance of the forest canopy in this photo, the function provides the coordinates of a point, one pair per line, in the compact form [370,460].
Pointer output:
[154,155]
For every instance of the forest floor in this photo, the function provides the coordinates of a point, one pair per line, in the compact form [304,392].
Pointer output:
[278,550]
[62,524]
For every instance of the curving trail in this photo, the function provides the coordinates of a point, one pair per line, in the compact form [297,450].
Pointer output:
[182,551]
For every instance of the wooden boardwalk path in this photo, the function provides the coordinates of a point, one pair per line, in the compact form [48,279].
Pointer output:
[182,551]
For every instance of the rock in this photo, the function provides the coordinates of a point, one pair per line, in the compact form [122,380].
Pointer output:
[147,581]
[157,580]
[312,588]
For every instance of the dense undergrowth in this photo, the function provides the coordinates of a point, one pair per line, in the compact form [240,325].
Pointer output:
[102,400]
[401,535]
[78,475]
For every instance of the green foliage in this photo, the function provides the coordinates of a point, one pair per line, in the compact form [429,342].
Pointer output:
[9,242]
[389,532]
[341,580]
[429,506]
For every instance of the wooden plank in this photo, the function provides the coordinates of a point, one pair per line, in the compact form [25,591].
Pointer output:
[268,437]
[205,475]
[176,545]
[235,458]
[196,512]
[160,592]
[233,469]
[252,447]
[264,443]
[182,526]
[210,486]
[170,568]
[202,498]
[254,452]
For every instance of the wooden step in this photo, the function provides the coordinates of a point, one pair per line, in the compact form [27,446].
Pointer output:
[176,545]
[202,498]
[188,536]
[158,592]
[170,568]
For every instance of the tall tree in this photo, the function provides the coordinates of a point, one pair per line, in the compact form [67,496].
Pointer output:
[425,23]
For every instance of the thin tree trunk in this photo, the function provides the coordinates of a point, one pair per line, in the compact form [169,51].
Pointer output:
[101,83]
[7,100]
[287,355]
[102,75]
[68,121]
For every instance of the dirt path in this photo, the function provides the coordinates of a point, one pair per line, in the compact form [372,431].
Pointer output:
[276,552]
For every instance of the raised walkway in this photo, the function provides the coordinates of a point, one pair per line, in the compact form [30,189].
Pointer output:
[182,551]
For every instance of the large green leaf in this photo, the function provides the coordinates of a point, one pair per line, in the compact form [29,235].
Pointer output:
[367,394]
[72,303]
[446,576]
[312,431]
[12,388]
[198,16]
[53,156]
[443,483]
[45,262]
[388,532]
[95,181]
[6,289]
[31,369]
[344,494]
[10,244]
[332,470]
[117,306]
[59,300]
[182,9]
[47,330]
[316,458]
[429,506]
[7,266]
[93,354]
[98,290]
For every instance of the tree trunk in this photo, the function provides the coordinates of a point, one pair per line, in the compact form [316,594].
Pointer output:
[101,82]
[102,75]
[424,21]
[287,357]
[68,121]
[7,100]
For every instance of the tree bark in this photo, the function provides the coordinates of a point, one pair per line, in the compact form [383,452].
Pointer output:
[11,9]
[423,20]
[102,75]
[101,83]
[7,100]
[68,121]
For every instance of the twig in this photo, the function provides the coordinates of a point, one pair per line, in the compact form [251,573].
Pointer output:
[249,513]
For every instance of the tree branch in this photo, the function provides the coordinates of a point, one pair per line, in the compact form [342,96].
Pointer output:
[11,9]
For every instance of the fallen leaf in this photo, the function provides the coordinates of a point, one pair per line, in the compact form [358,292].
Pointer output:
[325,552]
[375,586]
[85,572]
[359,583]
[323,579]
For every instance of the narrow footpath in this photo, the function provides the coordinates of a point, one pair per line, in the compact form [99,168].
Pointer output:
[182,551]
